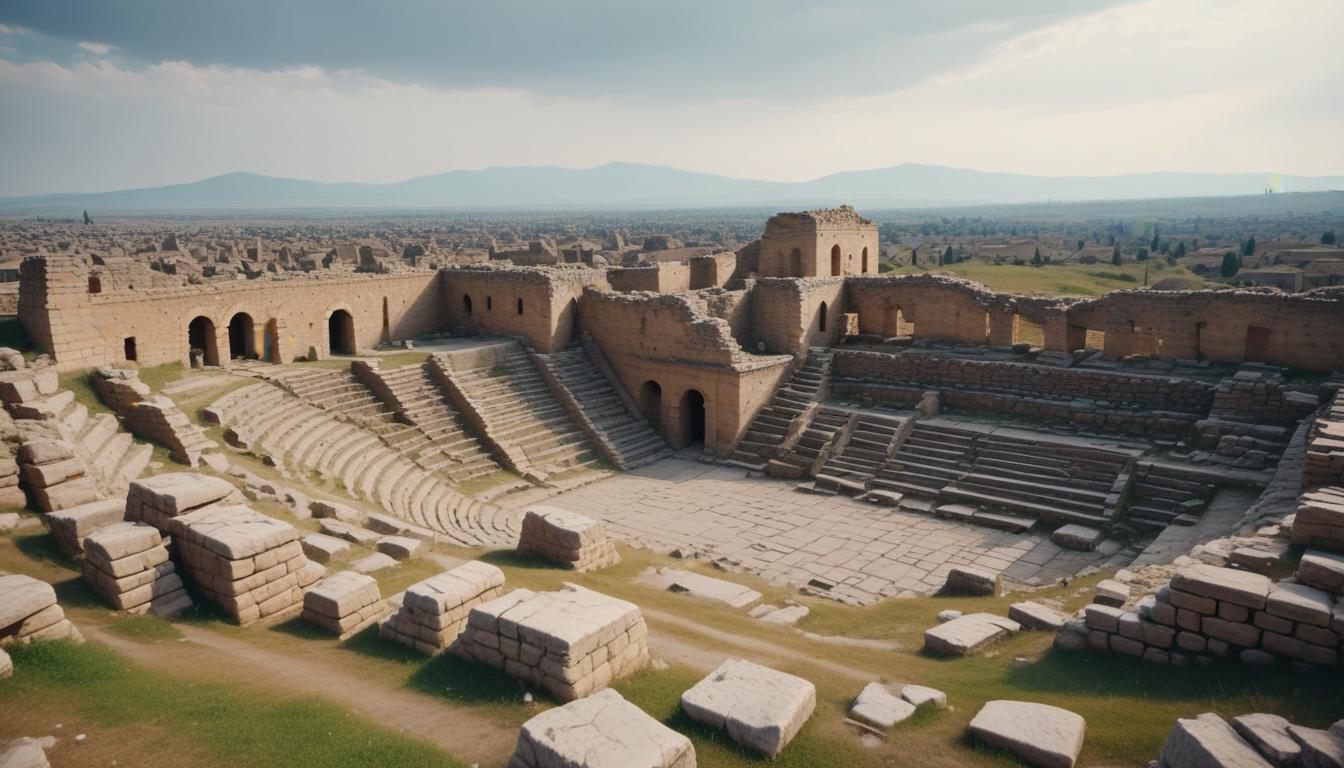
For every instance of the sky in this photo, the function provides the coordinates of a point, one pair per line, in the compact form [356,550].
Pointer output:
[98,95]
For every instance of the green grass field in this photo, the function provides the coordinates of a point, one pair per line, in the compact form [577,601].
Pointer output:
[1056,280]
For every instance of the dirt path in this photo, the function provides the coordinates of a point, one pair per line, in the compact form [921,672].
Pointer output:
[687,652]
[464,734]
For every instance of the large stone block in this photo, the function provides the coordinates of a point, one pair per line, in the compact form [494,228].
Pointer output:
[970,580]
[1038,733]
[568,538]
[758,707]
[1223,584]
[877,705]
[600,731]
[1206,741]
[968,634]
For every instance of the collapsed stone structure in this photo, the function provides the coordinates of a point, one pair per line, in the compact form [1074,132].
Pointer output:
[433,612]
[573,540]
[344,603]
[128,564]
[29,611]
[571,642]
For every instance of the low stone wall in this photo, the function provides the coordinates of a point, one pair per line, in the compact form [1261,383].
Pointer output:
[344,603]
[1209,612]
[434,612]
[127,563]
[150,417]
[1164,393]
[1319,521]
[250,565]
[571,642]
[69,527]
[56,478]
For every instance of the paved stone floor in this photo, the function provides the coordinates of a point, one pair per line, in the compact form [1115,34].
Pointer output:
[863,552]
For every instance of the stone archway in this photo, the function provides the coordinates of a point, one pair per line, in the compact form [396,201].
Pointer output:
[837,264]
[341,333]
[201,341]
[693,417]
[242,338]
[651,403]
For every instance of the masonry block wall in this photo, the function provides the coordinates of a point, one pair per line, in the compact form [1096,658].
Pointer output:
[663,277]
[789,315]
[835,241]
[538,304]
[284,319]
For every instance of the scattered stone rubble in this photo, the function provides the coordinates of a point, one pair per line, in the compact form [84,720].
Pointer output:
[567,538]
[1250,741]
[127,563]
[758,707]
[599,731]
[29,611]
[250,565]
[571,642]
[434,612]
[344,603]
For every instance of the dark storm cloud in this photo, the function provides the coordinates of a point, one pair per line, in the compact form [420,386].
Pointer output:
[705,48]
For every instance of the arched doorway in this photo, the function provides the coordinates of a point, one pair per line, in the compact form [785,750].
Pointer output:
[865,260]
[270,343]
[796,263]
[201,341]
[466,303]
[821,323]
[693,416]
[837,266]
[242,344]
[651,403]
[341,333]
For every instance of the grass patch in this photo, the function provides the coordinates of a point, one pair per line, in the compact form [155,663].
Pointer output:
[78,383]
[144,628]
[230,724]
[403,359]
[159,376]
[1056,279]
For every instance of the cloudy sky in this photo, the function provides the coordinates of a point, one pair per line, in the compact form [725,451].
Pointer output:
[106,94]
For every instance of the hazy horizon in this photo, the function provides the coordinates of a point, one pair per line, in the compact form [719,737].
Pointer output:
[103,96]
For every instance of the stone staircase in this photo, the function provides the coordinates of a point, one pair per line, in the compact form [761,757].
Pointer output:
[770,429]
[625,437]
[869,441]
[437,438]
[113,457]
[296,433]
[332,389]
[817,439]
[511,405]
[1010,477]
[1168,494]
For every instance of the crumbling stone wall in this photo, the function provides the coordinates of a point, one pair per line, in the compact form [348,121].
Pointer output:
[789,315]
[713,270]
[663,277]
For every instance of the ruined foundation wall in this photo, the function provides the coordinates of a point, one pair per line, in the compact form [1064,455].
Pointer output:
[664,277]
[787,314]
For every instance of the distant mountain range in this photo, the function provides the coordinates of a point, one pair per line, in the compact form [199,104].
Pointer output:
[624,186]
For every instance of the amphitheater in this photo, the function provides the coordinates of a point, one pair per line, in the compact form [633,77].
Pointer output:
[784,412]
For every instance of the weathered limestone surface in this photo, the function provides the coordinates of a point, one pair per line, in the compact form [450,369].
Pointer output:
[1207,740]
[1038,733]
[27,753]
[877,706]
[600,731]
[127,563]
[6,665]
[344,603]
[28,611]
[698,585]
[434,612]
[758,707]
[968,634]
[1269,735]
[249,564]
[154,500]
[1079,537]
[567,538]
[1033,615]
[571,642]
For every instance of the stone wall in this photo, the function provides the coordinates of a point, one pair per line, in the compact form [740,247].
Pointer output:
[540,305]
[288,316]
[663,277]
[789,315]
[1324,462]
